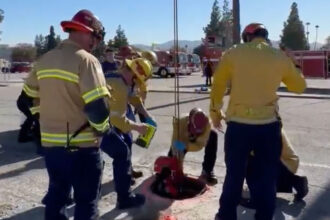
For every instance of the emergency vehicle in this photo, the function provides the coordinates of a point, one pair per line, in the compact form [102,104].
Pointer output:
[194,62]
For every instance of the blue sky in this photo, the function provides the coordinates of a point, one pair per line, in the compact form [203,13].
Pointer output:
[148,21]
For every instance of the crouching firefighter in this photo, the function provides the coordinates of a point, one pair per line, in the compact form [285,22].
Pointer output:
[118,142]
[73,116]
[195,134]
[27,103]
[287,178]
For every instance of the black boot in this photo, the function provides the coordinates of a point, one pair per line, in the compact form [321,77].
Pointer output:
[133,201]
[209,178]
[136,174]
[301,186]
[247,203]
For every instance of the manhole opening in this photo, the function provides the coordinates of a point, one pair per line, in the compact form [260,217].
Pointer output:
[181,188]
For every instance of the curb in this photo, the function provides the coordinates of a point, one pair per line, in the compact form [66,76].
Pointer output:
[280,94]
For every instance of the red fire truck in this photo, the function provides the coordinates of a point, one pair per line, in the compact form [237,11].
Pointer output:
[194,62]
[166,65]
[314,64]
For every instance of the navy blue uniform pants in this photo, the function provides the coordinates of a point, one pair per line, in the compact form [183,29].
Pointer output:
[118,146]
[82,170]
[240,141]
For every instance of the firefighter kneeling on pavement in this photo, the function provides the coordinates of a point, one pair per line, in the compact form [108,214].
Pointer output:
[195,134]
[118,142]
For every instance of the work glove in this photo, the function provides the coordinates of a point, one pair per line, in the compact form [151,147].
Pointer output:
[179,146]
[151,122]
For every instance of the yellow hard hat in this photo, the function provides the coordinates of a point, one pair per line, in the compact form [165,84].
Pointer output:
[150,55]
[141,67]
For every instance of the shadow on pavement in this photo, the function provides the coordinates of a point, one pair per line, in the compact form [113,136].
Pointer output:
[193,86]
[319,209]
[107,188]
[12,152]
[283,207]
[35,164]
[36,213]
[150,211]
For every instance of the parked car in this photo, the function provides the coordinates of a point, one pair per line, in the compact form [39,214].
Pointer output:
[20,67]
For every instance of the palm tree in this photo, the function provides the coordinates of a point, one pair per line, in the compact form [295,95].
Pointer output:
[237,26]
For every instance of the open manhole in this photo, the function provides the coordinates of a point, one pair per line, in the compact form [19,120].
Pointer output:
[170,183]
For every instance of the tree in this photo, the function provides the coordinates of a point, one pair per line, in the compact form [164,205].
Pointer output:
[293,36]
[213,28]
[1,17]
[40,45]
[120,38]
[198,50]
[227,26]
[45,44]
[326,46]
[111,44]
[50,39]
[221,25]
[23,53]
[58,40]
[226,12]
[99,50]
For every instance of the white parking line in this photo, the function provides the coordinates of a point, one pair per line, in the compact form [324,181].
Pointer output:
[315,165]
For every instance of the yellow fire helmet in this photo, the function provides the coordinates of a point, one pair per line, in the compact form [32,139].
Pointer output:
[150,55]
[141,67]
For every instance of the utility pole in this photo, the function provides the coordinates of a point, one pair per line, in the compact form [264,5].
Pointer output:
[316,35]
[236,22]
[307,31]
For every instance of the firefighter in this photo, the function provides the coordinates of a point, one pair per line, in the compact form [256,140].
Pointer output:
[255,71]
[118,143]
[287,179]
[208,73]
[142,86]
[195,134]
[141,90]
[73,114]
[30,129]
[110,65]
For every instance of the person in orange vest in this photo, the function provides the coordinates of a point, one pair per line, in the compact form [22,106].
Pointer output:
[255,71]
[74,114]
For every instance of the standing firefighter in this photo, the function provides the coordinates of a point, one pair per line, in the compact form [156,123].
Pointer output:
[118,143]
[255,71]
[73,113]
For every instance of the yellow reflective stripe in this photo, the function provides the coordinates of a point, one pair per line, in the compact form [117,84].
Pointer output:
[95,94]
[59,74]
[30,92]
[34,110]
[102,127]
[62,138]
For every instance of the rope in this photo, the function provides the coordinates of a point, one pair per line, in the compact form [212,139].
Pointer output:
[176,70]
